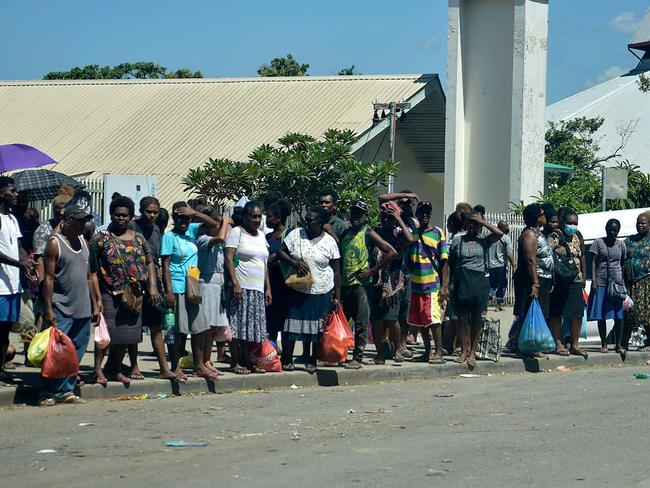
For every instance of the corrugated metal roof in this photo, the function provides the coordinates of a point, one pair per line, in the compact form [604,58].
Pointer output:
[165,127]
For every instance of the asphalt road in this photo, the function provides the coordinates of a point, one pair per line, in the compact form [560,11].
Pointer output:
[580,428]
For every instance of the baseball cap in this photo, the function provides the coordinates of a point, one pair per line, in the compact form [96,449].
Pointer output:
[360,205]
[76,212]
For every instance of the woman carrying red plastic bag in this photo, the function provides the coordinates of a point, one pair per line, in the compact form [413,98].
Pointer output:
[71,296]
[310,252]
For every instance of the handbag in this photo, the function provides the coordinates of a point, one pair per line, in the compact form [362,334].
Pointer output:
[472,287]
[564,267]
[300,283]
[615,291]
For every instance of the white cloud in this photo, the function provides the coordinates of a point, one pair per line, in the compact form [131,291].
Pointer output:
[625,22]
[611,72]
[431,43]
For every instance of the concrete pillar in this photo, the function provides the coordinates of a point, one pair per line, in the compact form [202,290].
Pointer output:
[496,98]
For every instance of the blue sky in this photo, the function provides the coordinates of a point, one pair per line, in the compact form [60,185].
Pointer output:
[587,38]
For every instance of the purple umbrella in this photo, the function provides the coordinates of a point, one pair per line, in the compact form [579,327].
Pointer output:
[20,156]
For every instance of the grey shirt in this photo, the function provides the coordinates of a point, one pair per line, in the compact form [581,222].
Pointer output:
[499,252]
[603,253]
[338,224]
[71,294]
[152,235]
[470,254]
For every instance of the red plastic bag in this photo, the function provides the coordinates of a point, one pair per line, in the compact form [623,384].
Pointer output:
[265,357]
[345,324]
[337,339]
[61,358]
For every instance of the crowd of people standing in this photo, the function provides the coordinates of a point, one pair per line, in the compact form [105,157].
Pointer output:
[237,281]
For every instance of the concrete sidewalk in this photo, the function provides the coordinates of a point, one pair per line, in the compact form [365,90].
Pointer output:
[29,378]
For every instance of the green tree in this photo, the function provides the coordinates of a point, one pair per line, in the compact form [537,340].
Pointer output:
[644,83]
[298,167]
[348,71]
[573,143]
[138,70]
[283,67]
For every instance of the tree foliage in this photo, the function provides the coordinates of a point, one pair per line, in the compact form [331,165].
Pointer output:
[297,167]
[139,70]
[283,67]
[644,83]
[348,71]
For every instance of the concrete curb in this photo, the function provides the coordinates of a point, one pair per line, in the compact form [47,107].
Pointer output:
[27,393]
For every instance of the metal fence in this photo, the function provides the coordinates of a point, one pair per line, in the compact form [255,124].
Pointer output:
[517,225]
[96,190]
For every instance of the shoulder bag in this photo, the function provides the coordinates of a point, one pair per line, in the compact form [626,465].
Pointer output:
[615,291]
[300,283]
[564,267]
[472,287]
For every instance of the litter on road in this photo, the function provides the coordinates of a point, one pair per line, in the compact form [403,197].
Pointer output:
[182,443]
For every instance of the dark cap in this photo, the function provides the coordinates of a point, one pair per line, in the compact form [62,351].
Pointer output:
[360,205]
[75,212]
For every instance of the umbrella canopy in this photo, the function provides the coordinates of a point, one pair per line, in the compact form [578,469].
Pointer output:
[20,156]
[43,184]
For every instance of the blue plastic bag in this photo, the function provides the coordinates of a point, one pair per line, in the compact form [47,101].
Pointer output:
[535,335]
[566,326]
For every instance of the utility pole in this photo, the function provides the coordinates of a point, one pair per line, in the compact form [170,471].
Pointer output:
[395,109]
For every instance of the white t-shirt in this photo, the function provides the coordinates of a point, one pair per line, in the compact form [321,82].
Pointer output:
[253,253]
[317,253]
[9,235]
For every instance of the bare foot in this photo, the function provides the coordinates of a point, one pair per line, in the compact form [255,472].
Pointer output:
[460,359]
[604,350]
[120,378]
[168,375]
[180,376]
[100,379]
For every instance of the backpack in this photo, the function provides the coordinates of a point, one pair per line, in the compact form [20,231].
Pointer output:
[565,269]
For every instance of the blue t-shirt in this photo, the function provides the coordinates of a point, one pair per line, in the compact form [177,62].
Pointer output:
[183,252]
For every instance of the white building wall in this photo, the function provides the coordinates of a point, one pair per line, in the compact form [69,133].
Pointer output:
[429,186]
[496,50]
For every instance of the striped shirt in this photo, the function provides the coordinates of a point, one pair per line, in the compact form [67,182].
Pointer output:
[252,252]
[431,246]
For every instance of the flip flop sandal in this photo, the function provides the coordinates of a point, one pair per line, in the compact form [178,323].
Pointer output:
[47,402]
[288,367]
[562,353]
[436,361]
[310,368]
[353,365]
[137,376]
[377,362]
[73,400]
[257,370]
[239,370]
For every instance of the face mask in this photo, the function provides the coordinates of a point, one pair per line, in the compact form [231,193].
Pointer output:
[570,229]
